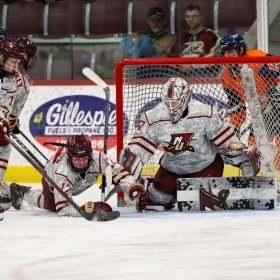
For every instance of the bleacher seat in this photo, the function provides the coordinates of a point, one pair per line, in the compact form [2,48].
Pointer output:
[62,68]
[104,63]
[1,12]
[140,12]
[40,71]
[24,18]
[55,64]
[82,58]
[66,18]
[233,17]
[108,17]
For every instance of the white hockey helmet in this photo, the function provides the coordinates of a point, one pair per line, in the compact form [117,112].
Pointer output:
[176,95]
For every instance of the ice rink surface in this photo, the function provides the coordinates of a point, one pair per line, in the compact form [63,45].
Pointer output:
[38,245]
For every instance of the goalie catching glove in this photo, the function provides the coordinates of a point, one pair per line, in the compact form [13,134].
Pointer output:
[137,191]
[96,207]
[247,159]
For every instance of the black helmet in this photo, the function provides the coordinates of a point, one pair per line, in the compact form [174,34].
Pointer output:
[233,41]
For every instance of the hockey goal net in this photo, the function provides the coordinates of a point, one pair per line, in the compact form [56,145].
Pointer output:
[245,90]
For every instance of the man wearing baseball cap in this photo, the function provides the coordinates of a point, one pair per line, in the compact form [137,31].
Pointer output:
[156,42]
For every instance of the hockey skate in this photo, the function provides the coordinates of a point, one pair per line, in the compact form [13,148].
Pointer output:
[17,193]
[1,213]
[5,196]
[159,201]
[159,207]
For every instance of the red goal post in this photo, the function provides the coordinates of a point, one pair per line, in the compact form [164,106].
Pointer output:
[245,90]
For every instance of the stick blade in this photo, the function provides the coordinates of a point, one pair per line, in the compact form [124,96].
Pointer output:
[106,216]
[91,75]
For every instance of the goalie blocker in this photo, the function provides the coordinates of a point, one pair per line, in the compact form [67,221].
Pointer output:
[230,193]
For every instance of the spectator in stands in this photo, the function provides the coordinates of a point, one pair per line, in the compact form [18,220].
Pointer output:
[156,42]
[199,41]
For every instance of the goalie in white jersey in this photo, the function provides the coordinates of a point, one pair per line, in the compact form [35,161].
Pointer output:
[74,168]
[193,137]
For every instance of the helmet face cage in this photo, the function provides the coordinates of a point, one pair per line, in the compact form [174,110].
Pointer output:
[176,96]
[78,146]
[10,56]
[30,52]
[233,41]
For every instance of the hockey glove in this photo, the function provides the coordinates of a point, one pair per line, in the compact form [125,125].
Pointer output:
[4,127]
[252,166]
[137,191]
[16,128]
[247,159]
[98,206]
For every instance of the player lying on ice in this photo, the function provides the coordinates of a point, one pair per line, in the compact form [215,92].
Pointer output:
[196,142]
[74,168]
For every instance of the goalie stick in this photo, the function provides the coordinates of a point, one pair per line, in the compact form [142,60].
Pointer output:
[99,216]
[91,75]
[257,122]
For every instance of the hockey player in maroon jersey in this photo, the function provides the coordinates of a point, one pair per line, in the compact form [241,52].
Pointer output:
[10,58]
[74,168]
[193,137]
[16,91]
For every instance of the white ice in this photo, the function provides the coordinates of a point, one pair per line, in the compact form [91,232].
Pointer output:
[38,245]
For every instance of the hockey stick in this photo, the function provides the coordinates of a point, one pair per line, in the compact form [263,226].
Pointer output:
[30,142]
[91,75]
[99,216]
[108,174]
[22,145]
[262,141]
[114,190]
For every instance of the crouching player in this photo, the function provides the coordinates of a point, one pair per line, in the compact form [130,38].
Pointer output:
[74,168]
[195,141]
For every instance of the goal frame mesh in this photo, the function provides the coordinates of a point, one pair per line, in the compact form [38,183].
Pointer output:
[196,62]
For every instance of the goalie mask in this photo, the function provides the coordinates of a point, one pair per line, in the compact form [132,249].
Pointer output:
[176,96]
[79,152]
[30,53]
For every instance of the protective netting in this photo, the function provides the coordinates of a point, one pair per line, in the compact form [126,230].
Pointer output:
[246,94]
